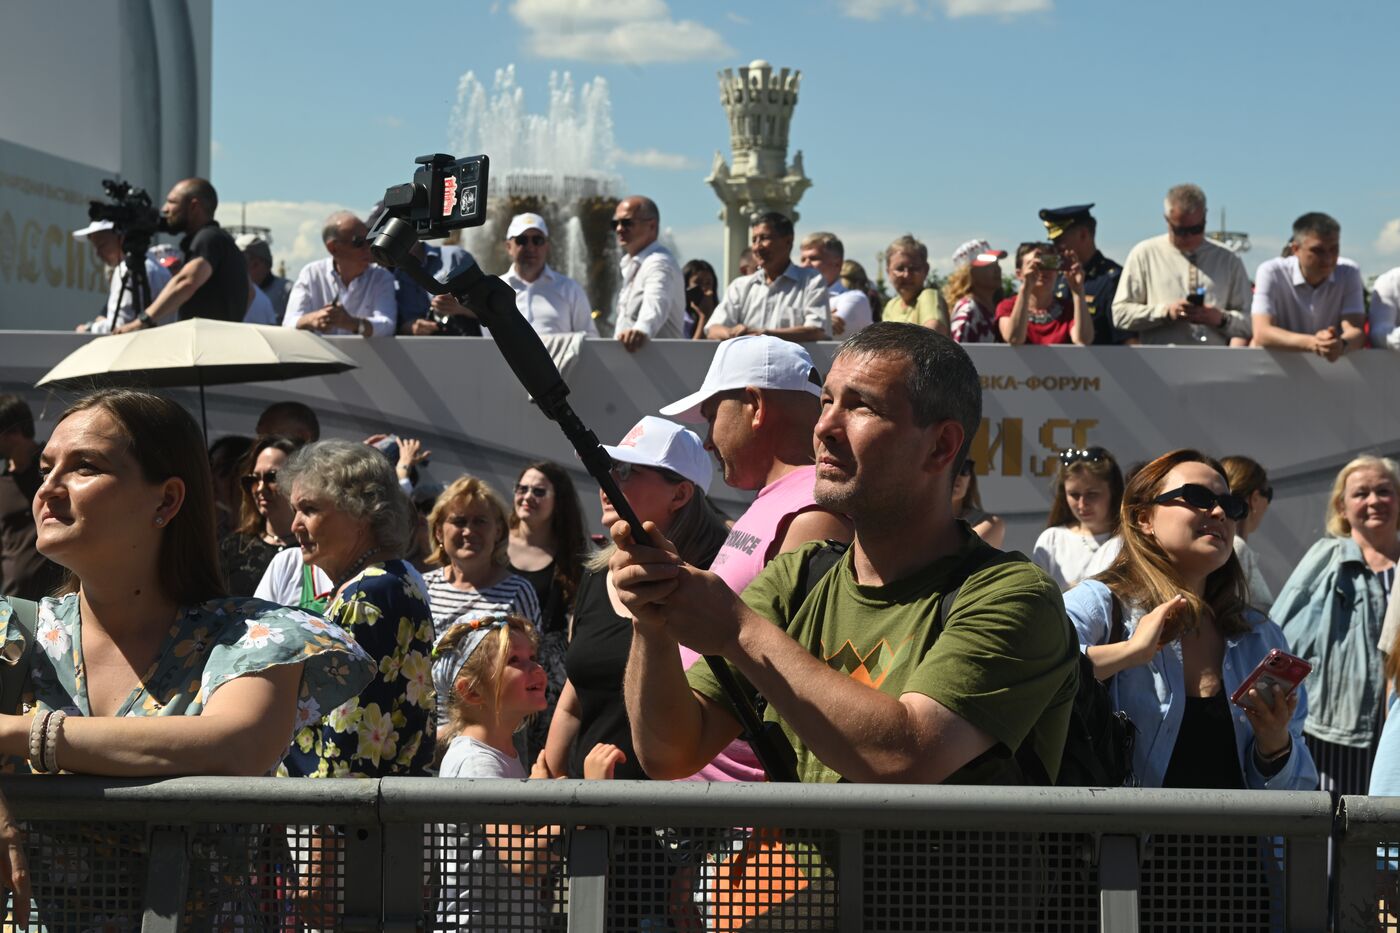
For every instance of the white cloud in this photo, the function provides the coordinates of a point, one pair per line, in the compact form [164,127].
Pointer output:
[632,32]
[216,150]
[736,18]
[389,121]
[655,158]
[953,9]
[295,227]
[1388,241]
[572,12]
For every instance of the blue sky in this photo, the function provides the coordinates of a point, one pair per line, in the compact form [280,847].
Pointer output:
[947,118]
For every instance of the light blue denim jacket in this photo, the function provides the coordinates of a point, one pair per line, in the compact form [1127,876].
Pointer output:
[1154,694]
[1331,610]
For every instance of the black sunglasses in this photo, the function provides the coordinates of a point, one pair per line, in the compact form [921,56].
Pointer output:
[1205,499]
[1193,230]
[1084,455]
[968,468]
[529,239]
[623,222]
[1268,493]
[249,480]
[539,492]
[355,242]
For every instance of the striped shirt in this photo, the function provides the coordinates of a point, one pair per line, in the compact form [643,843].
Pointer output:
[514,594]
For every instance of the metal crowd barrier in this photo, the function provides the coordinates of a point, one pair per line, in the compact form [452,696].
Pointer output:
[429,854]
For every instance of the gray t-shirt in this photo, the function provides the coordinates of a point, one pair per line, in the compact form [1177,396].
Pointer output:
[477,889]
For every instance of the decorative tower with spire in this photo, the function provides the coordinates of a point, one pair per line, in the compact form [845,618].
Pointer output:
[760,103]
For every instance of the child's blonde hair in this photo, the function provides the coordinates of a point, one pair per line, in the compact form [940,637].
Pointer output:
[482,668]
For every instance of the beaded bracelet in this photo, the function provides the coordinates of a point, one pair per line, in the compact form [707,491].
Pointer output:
[37,727]
[53,728]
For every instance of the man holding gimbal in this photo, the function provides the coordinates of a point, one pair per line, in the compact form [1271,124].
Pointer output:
[213,282]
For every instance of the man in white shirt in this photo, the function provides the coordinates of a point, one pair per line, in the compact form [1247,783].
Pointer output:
[651,302]
[1385,309]
[1313,301]
[106,242]
[850,309]
[780,299]
[1180,288]
[552,302]
[345,293]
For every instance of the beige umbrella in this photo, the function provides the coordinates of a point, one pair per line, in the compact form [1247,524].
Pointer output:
[197,352]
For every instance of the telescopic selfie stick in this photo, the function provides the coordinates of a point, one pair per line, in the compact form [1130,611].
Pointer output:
[397,228]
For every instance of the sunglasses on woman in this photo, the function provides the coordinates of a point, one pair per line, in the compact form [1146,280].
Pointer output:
[249,480]
[539,492]
[1085,455]
[1205,499]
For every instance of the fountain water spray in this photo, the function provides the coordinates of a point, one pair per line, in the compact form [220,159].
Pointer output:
[560,164]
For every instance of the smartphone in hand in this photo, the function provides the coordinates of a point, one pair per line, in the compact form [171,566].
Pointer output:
[1278,669]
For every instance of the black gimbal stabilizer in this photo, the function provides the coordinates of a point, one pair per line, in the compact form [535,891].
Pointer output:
[448,194]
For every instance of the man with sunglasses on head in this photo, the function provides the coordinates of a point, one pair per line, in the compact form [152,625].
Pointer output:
[1181,288]
[651,302]
[552,302]
[345,293]
[213,281]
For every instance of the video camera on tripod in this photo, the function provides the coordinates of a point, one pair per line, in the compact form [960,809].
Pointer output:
[130,211]
[449,194]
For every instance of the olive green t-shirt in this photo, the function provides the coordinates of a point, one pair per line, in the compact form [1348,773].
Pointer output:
[1006,661]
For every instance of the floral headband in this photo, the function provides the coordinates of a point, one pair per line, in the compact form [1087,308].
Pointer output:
[448,663]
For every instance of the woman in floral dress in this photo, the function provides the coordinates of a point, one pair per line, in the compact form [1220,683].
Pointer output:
[141,641]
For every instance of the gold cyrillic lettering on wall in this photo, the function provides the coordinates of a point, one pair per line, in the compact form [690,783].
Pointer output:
[52,271]
[1007,442]
[1005,437]
[994,383]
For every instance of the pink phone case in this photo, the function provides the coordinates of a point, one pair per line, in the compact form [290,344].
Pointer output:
[1280,669]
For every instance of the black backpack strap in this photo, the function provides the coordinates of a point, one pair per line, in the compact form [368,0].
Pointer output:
[1115,632]
[818,564]
[976,561]
[15,674]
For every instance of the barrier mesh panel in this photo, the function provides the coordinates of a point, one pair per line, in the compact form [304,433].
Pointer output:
[690,880]
[499,877]
[246,877]
[1387,887]
[1193,882]
[86,877]
[927,880]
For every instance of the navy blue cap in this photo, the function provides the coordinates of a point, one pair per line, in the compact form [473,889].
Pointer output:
[1058,220]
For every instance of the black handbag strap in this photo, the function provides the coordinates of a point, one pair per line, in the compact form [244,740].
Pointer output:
[14,674]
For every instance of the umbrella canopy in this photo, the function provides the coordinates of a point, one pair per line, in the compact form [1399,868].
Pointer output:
[199,352]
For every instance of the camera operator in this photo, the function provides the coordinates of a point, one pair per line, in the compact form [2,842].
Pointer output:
[107,243]
[213,282]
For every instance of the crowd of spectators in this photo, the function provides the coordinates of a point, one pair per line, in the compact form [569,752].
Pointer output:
[1179,288]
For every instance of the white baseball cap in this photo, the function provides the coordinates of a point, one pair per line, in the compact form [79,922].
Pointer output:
[656,442]
[756,360]
[522,222]
[97,226]
[976,253]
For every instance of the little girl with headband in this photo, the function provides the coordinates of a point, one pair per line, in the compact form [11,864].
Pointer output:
[487,673]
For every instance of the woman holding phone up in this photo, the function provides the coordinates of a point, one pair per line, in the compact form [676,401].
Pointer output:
[1187,639]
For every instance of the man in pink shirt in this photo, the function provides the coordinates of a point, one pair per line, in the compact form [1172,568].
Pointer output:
[761,399]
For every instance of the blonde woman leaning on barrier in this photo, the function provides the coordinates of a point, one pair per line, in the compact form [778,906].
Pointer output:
[142,639]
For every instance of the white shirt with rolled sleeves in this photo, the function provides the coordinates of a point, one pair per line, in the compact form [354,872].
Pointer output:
[850,306]
[1157,275]
[796,298]
[1281,292]
[370,296]
[652,298]
[1385,309]
[553,303]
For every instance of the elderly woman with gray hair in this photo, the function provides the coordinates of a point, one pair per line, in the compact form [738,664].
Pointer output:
[354,522]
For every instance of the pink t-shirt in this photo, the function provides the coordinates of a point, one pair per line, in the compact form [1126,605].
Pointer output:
[752,542]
